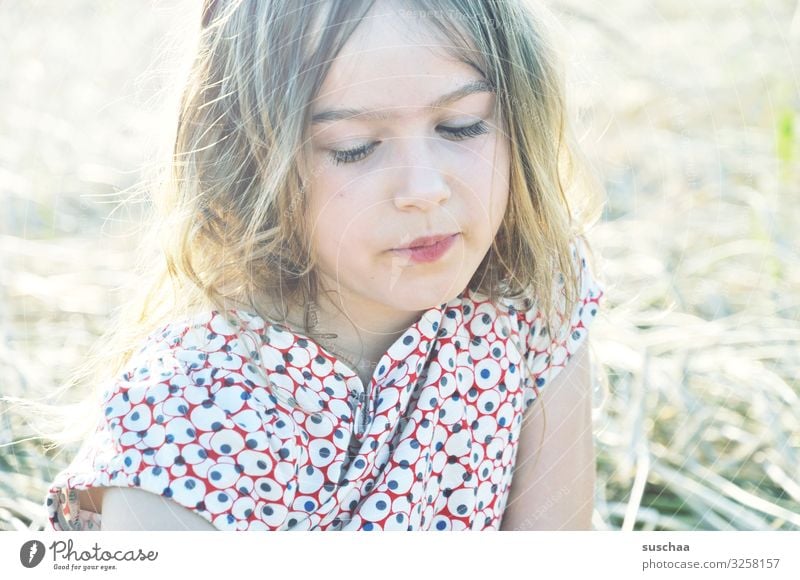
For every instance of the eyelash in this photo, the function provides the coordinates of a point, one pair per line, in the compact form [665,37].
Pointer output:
[358,153]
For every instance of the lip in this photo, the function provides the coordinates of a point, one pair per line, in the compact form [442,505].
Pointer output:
[427,249]
[426,241]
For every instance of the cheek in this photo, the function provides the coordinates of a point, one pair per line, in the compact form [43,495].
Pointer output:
[499,186]
[489,190]
[342,208]
[327,206]
[499,204]
[335,192]
[337,226]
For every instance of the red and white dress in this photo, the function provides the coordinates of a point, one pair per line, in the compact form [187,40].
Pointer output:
[254,427]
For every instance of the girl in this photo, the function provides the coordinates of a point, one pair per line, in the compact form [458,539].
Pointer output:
[376,271]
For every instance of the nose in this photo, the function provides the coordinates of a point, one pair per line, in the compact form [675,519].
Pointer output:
[420,183]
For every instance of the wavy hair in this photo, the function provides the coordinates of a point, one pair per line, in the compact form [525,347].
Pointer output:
[227,223]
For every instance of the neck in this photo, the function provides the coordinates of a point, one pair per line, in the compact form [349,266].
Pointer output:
[358,333]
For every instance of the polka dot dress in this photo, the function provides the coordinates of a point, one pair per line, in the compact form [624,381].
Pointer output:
[254,427]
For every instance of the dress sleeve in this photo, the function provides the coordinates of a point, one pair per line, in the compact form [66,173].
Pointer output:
[178,424]
[546,355]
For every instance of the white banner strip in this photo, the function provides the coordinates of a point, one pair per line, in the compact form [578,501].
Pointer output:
[137,555]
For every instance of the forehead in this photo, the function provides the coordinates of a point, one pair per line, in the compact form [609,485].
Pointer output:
[393,59]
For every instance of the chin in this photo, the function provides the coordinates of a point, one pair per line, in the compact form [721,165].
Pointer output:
[421,296]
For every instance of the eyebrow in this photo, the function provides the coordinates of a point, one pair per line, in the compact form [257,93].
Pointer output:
[477,86]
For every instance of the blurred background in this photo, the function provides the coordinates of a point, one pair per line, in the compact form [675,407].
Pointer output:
[690,112]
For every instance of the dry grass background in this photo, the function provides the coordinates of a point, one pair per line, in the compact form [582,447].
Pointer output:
[691,112]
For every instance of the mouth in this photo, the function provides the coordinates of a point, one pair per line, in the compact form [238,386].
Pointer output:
[427,249]
[426,242]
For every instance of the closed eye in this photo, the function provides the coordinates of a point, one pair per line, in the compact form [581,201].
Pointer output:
[358,153]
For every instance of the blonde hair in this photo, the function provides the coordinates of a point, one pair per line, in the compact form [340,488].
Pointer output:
[228,208]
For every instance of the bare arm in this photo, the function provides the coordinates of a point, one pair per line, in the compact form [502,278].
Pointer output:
[133,509]
[554,475]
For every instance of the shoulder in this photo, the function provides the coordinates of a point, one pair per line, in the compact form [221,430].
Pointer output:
[208,331]
[193,370]
[546,351]
[526,307]
[193,346]
[188,414]
[481,317]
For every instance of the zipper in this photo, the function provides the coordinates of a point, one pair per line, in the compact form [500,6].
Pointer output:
[364,399]
[359,398]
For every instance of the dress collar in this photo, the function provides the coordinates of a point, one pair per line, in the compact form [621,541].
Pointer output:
[419,338]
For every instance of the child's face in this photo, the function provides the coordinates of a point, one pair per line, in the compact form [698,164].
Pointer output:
[416,178]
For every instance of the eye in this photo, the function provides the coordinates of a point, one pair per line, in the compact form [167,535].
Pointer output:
[351,155]
[358,153]
[465,132]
